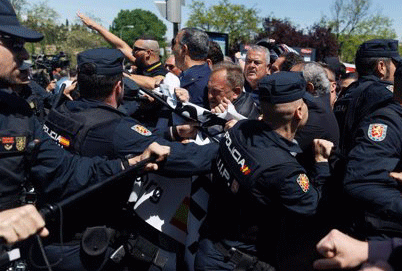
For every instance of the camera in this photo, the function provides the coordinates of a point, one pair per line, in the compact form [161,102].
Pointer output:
[50,62]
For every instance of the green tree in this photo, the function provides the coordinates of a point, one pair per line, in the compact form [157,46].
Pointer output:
[19,6]
[131,24]
[79,39]
[240,22]
[43,19]
[68,38]
[284,31]
[354,22]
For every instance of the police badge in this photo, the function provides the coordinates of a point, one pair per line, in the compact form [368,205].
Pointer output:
[377,131]
[8,142]
[20,142]
[141,130]
[303,182]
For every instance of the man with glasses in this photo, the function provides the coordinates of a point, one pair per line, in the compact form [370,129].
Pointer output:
[144,54]
[170,65]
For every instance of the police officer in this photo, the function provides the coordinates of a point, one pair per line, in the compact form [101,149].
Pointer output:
[260,190]
[54,172]
[375,64]
[376,61]
[92,125]
[367,182]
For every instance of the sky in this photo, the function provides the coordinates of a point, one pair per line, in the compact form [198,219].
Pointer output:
[302,13]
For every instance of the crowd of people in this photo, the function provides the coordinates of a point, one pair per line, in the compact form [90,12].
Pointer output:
[261,162]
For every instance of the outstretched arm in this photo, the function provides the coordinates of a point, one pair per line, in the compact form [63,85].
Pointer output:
[108,36]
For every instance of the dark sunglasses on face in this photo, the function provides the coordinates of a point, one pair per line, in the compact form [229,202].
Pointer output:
[169,66]
[137,49]
[16,44]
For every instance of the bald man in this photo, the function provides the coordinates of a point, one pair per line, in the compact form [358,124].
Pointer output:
[144,54]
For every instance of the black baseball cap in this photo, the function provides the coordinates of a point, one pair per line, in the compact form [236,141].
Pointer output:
[283,87]
[10,26]
[105,61]
[386,48]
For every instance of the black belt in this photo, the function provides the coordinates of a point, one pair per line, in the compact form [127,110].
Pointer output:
[242,261]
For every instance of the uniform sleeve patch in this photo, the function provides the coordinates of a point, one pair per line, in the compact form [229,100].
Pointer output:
[303,182]
[377,131]
[141,130]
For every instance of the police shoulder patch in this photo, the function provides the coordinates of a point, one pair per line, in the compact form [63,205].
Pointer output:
[303,182]
[141,130]
[377,131]
[390,88]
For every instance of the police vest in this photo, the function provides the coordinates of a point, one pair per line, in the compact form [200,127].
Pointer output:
[70,129]
[240,167]
[372,224]
[361,99]
[236,171]
[16,131]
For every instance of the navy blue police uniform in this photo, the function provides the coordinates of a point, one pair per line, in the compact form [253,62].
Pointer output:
[57,173]
[116,135]
[360,99]
[93,128]
[259,191]
[366,95]
[54,173]
[375,194]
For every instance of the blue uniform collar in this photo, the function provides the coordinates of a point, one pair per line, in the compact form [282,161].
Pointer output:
[374,78]
[291,146]
[82,104]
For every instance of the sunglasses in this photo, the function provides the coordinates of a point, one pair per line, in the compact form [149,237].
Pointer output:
[137,49]
[16,44]
[169,66]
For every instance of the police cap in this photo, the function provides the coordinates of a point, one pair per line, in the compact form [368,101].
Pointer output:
[379,48]
[283,87]
[105,61]
[11,27]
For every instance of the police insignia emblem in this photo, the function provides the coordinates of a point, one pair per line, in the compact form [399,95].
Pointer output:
[7,142]
[141,130]
[390,88]
[377,131]
[20,142]
[303,182]
[245,170]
